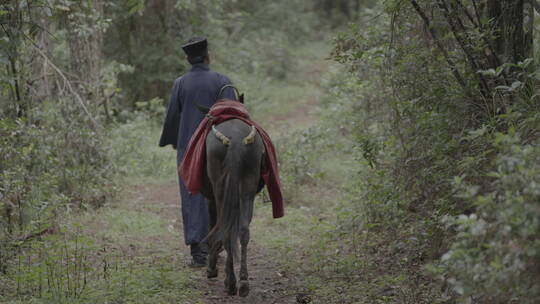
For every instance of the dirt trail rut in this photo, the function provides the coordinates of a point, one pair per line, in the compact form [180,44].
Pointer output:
[268,285]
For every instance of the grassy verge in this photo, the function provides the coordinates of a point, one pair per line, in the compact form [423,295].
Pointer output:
[313,243]
[309,243]
[125,252]
[110,256]
[324,241]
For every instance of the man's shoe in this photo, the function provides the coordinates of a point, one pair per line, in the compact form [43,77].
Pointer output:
[198,253]
[197,262]
[198,249]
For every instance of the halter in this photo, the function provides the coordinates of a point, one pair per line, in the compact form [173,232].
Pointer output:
[239,97]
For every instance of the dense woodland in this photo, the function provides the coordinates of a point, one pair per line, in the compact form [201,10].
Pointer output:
[434,107]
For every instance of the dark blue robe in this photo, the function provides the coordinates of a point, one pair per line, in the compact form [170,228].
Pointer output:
[201,85]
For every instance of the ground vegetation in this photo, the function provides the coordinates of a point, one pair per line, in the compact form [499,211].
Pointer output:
[407,133]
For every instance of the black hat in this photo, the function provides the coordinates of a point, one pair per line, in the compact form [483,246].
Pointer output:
[196,47]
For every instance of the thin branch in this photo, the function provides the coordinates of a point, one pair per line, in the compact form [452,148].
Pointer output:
[67,83]
[492,56]
[441,47]
[463,44]
[467,13]
[12,69]
[484,38]
[477,12]
[36,234]
[5,31]
[536,6]
[106,98]
[392,36]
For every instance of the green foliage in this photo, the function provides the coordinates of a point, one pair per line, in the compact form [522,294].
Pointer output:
[413,130]
[496,249]
[426,116]
[134,6]
[48,170]
[136,153]
[300,153]
[52,164]
[156,59]
[245,38]
[54,159]
[109,263]
[428,154]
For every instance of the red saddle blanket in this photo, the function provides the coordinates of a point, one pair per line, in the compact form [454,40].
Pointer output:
[192,165]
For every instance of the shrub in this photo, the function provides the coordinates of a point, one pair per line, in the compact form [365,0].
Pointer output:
[50,166]
[494,258]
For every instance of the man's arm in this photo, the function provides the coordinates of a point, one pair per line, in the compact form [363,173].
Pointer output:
[169,135]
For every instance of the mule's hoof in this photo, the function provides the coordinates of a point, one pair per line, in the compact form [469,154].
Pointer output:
[231,290]
[243,291]
[211,273]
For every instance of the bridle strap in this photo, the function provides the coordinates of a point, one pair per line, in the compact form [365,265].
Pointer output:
[228,86]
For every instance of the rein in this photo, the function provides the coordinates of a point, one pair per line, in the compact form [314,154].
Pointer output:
[228,86]
[239,97]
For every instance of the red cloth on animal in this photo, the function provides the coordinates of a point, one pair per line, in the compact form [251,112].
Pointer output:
[192,165]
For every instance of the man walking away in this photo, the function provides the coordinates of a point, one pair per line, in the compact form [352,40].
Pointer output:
[199,86]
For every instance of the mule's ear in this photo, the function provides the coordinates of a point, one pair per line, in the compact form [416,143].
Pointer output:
[203,109]
[241,98]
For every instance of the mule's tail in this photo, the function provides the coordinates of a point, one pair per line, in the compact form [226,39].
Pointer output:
[231,200]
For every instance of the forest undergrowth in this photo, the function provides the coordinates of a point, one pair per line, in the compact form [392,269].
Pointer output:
[125,251]
[407,131]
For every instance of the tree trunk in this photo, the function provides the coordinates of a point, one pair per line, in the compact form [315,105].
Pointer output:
[12,30]
[529,28]
[507,22]
[494,12]
[344,7]
[85,48]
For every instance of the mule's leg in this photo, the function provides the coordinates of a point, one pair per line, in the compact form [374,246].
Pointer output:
[212,270]
[230,278]
[244,283]
[213,244]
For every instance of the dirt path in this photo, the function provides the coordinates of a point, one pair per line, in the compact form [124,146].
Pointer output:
[267,283]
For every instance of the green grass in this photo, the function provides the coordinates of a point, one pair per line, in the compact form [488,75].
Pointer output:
[275,101]
[121,225]
[122,253]
[110,273]
[308,242]
[139,158]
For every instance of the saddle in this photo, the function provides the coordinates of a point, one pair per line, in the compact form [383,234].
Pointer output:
[191,169]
